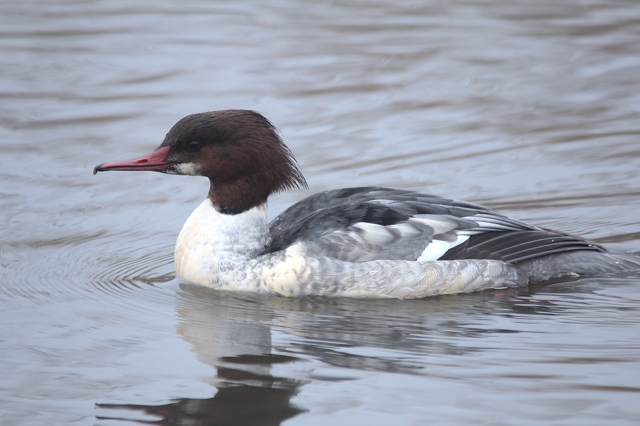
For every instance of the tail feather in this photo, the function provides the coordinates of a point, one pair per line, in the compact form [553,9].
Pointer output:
[583,264]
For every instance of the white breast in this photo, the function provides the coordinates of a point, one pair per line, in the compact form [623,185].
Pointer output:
[211,244]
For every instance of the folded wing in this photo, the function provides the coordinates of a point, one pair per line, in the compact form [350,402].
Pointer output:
[364,224]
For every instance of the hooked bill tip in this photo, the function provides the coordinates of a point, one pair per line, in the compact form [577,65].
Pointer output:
[97,168]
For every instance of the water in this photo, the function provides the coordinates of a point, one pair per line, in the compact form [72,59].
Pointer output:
[529,107]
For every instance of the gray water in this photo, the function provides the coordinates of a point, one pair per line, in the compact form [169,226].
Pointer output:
[532,108]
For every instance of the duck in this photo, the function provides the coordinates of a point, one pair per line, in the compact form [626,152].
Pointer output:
[366,242]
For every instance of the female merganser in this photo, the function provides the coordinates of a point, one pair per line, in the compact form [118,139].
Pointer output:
[359,242]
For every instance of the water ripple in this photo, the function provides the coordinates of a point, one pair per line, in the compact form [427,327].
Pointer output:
[46,271]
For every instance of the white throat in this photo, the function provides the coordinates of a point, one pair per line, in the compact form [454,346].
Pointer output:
[212,242]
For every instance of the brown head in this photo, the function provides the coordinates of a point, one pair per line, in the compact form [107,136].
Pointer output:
[239,151]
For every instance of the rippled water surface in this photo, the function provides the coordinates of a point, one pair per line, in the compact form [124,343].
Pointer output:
[532,108]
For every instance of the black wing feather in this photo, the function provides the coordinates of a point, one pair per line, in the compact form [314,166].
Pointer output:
[517,246]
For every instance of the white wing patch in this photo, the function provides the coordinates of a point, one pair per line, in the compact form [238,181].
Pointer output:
[375,234]
[436,248]
[445,236]
[438,223]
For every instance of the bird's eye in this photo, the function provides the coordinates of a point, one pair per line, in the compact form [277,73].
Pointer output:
[193,146]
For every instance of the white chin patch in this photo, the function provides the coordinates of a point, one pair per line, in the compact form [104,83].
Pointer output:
[190,169]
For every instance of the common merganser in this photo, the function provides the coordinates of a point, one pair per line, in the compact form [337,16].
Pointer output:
[358,242]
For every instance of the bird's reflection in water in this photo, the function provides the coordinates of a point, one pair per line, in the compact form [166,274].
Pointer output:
[232,333]
[245,399]
[232,336]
